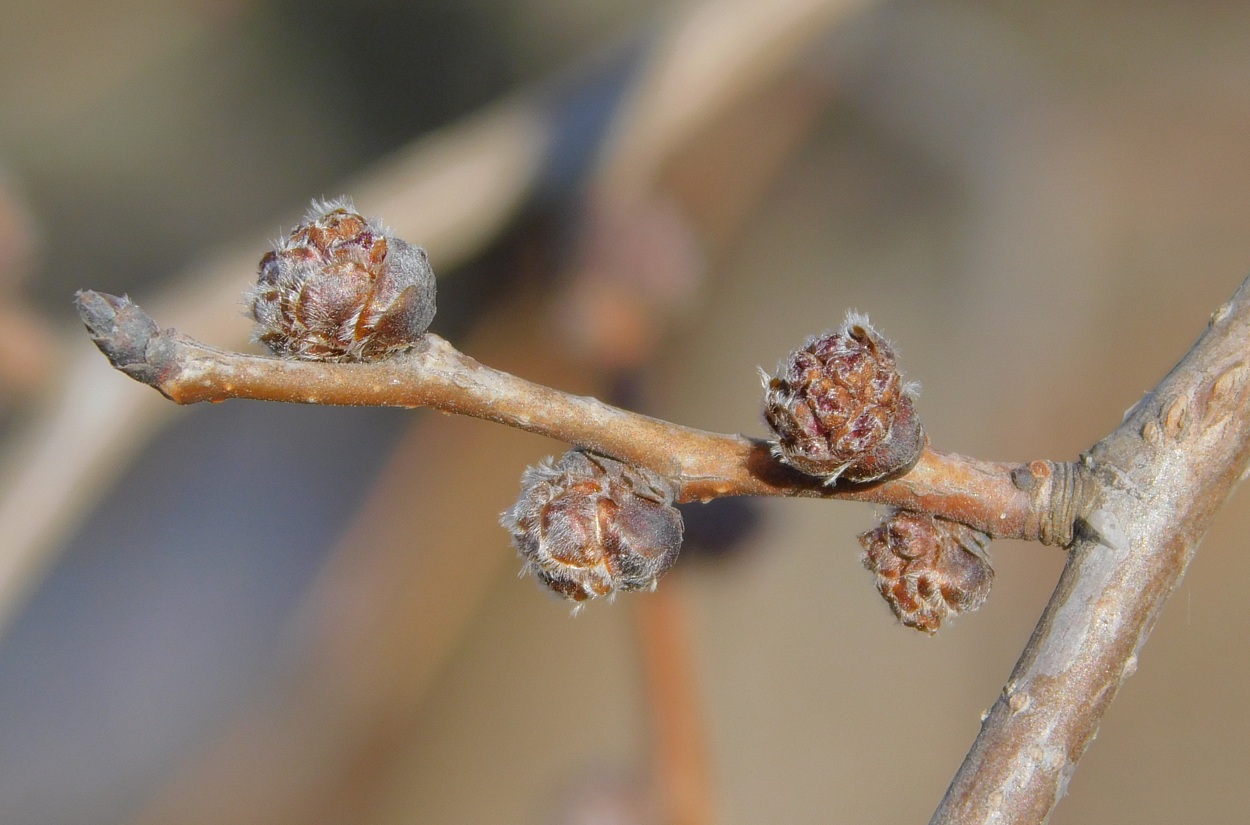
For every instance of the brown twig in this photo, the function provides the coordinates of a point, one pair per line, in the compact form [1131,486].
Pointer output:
[1145,496]
[1035,502]
[1160,478]
[455,189]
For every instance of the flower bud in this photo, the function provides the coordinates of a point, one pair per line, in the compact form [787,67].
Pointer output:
[341,288]
[927,567]
[840,409]
[589,525]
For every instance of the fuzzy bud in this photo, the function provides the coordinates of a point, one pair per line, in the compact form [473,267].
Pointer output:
[840,409]
[927,567]
[341,288]
[589,525]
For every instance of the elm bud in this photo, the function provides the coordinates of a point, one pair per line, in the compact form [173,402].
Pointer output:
[589,525]
[341,288]
[840,409]
[928,567]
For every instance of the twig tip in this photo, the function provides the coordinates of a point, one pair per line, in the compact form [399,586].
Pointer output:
[121,330]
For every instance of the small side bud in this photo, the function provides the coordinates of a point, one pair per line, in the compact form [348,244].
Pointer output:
[341,288]
[928,568]
[840,409]
[589,525]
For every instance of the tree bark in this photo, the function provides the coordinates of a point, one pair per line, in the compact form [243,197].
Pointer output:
[1155,484]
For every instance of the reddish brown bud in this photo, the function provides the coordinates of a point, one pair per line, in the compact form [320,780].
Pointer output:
[928,567]
[840,409]
[589,525]
[341,288]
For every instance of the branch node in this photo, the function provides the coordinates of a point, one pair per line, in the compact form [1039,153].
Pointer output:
[1058,492]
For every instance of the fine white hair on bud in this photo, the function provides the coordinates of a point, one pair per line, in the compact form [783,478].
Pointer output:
[342,288]
[589,526]
[928,568]
[839,408]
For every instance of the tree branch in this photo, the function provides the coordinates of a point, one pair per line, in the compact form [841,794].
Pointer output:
[1138,503]
[1158,481]
[1034,502]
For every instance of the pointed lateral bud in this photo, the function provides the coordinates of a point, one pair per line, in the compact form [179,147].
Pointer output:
[928,568]
[341,288]
[589,525]
[840,409]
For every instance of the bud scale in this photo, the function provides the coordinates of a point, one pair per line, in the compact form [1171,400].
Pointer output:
[840,409]
[928,567]
[341,288]
[589,525]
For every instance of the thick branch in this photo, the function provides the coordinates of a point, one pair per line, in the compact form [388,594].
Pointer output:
[1159,478]
[1005,500]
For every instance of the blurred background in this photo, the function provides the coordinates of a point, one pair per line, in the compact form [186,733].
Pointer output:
[253,613]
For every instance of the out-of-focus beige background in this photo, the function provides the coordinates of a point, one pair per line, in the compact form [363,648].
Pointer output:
[1040,203]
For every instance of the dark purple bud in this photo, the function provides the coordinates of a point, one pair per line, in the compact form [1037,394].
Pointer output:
[840,409]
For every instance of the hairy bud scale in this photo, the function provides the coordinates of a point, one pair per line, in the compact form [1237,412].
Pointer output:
[840,410]
[342,288]
[588,525]
[928,568]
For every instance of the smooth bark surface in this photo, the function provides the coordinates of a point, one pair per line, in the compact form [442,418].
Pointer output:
[1157,482]
[1032,502]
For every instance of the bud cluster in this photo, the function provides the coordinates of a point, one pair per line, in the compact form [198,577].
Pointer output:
[588,525]
[928,567]
[341,288]
[840,409]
